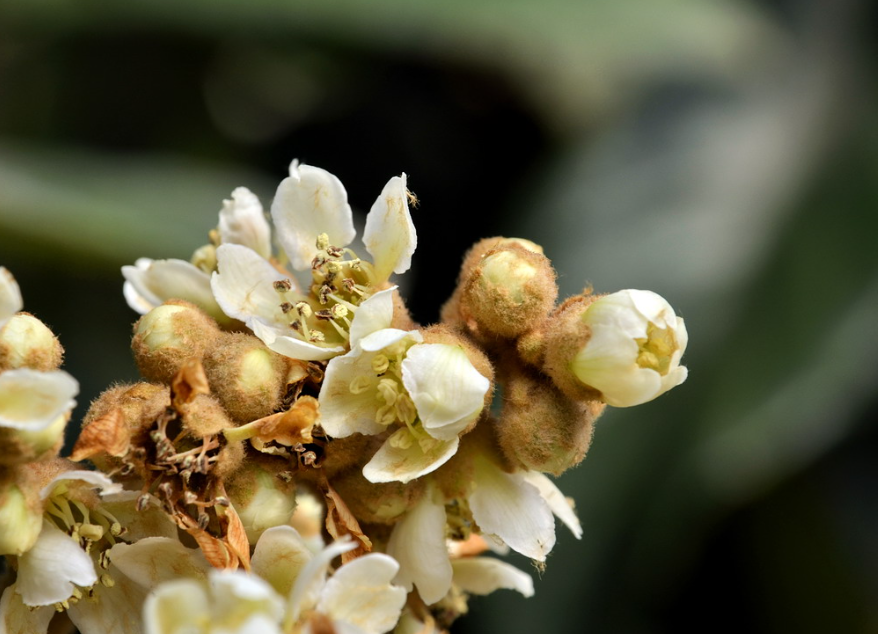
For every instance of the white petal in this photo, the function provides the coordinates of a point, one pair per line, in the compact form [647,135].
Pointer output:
[309,202]
[150,283]
[176,607]
[280,555]
[390,236]
[17,618]
[116,609]
[153,560]
[387,337]
[242,221]
[78,477]
[309,584]
[275,339]
[47,572]
[504,504]
[483,575]
[447,390]
[32,400]
[559,504]
[392,464]
[360,593]
[372,315]
[244,285]
[418,544]
[342,412]
[10,296]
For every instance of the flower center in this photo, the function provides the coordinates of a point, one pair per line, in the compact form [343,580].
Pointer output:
[655,351]
[341,282]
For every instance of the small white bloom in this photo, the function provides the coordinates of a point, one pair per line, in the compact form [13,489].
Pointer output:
[427,394]
[32,400]
[633,355]
[314,225]
[10,296]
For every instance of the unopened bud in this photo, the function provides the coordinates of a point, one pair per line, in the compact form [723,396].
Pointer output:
[510,291]
[248,378]
[541,429]
[26,342]
[168,336]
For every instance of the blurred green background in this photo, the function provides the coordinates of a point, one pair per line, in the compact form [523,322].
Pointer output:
[723,154]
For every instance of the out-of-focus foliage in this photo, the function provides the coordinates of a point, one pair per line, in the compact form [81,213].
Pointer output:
[721,153]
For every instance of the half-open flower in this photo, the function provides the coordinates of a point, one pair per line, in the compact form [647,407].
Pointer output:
[633,353]
[314,225]
[150,283]
[425,394]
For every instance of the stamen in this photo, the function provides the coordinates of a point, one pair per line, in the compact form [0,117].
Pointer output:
[380,363]
[283,286]
[344,303]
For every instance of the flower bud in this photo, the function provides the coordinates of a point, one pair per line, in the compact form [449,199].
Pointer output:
[247,377]
[260,497]
[451,309]
[21,517]
[510,291]
[26,342]
[541,429]
[382,503]
[204,416]
[627,346]
[168,336]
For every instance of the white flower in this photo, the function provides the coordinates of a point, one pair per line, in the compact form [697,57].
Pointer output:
[515,508]
[289,587]
[10,296]
[633,354]
[150,283]
[314,225]
[427,393]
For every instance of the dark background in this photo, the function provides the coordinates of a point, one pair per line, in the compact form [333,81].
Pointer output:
[722,154]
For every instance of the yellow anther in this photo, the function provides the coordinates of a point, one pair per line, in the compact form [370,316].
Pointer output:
[322,241]
[405,409]
[316,336]
[388,389]
[91,532]
[107,581]
[401,439]
[360,384]
[380,363]
[339,311]
[304,309]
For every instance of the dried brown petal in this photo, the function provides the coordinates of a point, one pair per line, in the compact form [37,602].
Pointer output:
[108,434]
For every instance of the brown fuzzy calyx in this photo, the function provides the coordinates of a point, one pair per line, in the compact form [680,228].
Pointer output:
[565,334]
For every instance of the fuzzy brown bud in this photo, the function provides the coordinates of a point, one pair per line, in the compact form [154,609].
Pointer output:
[541,429]
[26,342]
[168,336]
[510,291]
[248,378]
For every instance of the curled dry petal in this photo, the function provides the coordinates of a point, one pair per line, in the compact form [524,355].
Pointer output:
[340,522]
[107,434]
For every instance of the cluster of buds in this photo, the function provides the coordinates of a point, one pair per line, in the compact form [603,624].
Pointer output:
[292,414]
